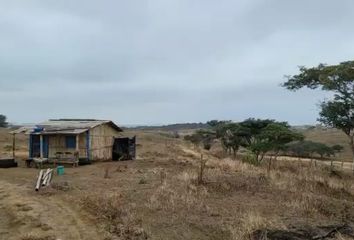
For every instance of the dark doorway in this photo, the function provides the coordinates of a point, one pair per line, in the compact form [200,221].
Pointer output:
[35,150]
[124,149]
[35,146]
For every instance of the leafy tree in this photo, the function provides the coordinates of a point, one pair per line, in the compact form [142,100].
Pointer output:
[204,137]
[273,138]
[278,135]
[207,137]
[337,148]
[338,79]
[324,150]
[255,127]
[254,137]
[215,123]
[3,122]
[194,138]
[233,136]
[297,149]
[309,148]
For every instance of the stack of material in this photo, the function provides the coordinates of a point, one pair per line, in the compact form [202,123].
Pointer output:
[44,178]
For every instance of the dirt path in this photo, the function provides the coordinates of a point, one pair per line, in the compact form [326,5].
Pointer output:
[43,216]
[337,164]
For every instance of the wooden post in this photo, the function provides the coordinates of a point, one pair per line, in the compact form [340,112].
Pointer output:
[41,146]
[77,143]
[77,151]
[14,145]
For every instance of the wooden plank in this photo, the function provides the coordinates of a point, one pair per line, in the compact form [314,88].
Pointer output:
[41,145]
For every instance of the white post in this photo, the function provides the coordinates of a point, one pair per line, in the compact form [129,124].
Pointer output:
[45,177]
[38,184]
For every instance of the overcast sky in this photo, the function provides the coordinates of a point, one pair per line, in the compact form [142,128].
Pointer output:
[166,61]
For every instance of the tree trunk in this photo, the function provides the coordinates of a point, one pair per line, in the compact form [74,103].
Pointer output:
[351,138]
[269,164]
[332,164]
[353,159]
[235,150]
[260,158]
[275,164]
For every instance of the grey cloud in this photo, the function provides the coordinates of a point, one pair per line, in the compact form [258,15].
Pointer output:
[158,61]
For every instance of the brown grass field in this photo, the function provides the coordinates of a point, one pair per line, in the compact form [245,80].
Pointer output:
[162,195]
[330,137]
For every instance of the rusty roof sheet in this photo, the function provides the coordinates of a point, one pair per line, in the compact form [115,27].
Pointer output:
[58,132]
[72,124]
[65,126]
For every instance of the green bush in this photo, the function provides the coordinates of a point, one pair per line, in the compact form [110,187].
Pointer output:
[250,158]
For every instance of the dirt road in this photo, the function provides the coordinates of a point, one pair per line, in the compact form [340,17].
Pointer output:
[25,213]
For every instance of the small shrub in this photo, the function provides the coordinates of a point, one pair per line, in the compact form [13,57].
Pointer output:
[142,181]
[251,222]
[202,164]
[250,159]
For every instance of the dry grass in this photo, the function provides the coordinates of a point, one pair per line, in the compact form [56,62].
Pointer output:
[162,198]
[117,218]
[252,221]
[183,197]
[31,236]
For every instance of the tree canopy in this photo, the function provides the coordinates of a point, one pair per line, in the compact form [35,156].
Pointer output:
[259,136]
[269,136]
[338,79]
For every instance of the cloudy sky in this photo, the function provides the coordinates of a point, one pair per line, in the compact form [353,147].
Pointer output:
[166,61]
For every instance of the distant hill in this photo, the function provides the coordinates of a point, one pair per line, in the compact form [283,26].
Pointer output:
[173,127]
[329,136]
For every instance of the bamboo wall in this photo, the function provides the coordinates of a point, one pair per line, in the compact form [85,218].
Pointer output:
[101,142]
[57,144]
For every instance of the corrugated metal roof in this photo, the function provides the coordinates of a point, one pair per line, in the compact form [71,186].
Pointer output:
[25,130]
[65,132]
[71,124]
[66,126]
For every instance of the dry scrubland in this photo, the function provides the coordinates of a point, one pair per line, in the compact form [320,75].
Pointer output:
[161,196]
[331,137]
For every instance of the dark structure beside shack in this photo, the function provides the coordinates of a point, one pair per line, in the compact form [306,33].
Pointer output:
[8,163]
[83,140]
[124,148]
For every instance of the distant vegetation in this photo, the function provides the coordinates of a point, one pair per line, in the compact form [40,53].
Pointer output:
[3,122]
[174,127]
[260,138]
[310,149]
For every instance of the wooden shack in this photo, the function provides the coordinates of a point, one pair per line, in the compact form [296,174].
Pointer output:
[87,139]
